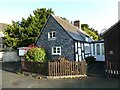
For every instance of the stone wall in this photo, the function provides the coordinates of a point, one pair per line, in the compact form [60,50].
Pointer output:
[10,56]
[1,55]
[62,40]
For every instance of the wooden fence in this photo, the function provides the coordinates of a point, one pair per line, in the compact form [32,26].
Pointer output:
[56,68]
[112,69]
[64,68]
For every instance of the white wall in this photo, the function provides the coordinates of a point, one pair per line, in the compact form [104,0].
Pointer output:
[1,55]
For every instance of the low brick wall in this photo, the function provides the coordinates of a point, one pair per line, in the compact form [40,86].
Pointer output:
[11,66]
[11,61]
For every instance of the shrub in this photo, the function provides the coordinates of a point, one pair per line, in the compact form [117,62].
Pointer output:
[36,54]
[90,60]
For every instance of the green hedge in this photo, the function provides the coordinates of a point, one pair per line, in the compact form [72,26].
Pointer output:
[36,54]
[90,60]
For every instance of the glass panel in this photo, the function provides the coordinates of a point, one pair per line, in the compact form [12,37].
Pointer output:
[54,50]
[102,49]
[93,49]
[54,34]
[58,50]
[50,35]
[98,49]
[87,48]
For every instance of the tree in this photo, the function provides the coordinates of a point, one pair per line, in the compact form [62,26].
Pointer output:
[26,31]
[90,31]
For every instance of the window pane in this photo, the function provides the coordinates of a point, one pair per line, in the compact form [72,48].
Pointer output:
[53,34]
[93,49]
[54,50]
[50,35]
[87,48]
[58,50]
[102,49]
[98,49]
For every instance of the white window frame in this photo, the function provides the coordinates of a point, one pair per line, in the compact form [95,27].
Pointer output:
[56,48]
[52,35]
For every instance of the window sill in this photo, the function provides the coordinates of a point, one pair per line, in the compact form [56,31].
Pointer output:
[49,39]
[56,54]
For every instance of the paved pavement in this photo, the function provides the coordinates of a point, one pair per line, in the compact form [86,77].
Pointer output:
[12,80]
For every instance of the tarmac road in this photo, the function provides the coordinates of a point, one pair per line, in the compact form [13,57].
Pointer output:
[12,80]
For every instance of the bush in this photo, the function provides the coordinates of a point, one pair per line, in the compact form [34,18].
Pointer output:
[90,60]
[36,54]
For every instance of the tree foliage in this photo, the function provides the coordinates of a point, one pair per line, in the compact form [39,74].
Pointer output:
[25,32]
[90,31]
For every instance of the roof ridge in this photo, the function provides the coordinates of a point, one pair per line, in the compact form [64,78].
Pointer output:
[106,31]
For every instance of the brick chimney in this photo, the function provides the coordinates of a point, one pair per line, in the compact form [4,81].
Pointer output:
[77,24]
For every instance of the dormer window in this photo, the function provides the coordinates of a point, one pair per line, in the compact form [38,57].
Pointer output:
[52,35]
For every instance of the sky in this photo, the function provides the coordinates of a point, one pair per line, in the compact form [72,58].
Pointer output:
[98,14]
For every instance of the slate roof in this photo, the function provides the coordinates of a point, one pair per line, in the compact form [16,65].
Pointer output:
[72,30]
[110,29]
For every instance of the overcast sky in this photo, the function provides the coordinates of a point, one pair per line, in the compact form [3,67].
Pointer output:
[98,14]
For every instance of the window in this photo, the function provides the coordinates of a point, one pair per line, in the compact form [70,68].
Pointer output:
[52,35]
[87,48]
[93,49]
[102,49]
[56,50]
[98,49]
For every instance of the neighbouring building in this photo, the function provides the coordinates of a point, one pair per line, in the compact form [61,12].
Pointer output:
[2,45]
[3,26]
[112,49]
[60,38]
